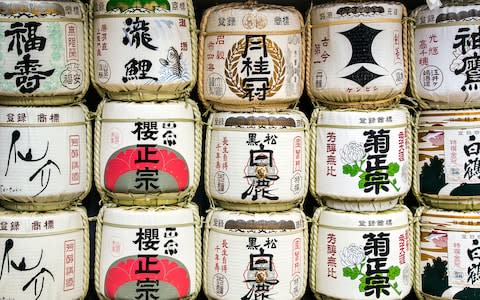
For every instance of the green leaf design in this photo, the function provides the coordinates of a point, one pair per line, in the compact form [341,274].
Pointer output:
[361,287]
[393,272]
[351,272]
[393,168]
[348,169]
[361,184]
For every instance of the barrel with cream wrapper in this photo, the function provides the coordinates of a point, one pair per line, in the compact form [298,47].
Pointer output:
[255,255]
[447,254]
[154,249]
[44,255]
[444,53]
[143,50]
[251,57]
[148,153]
[361,255]
[257,161]
[361,160]
[45,156]
[357,53]
[448,150]
[44,50]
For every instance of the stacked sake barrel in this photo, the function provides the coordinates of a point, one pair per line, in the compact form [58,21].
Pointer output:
[251,70]
[361,243]
[444,55]
[148,137]
[45,148]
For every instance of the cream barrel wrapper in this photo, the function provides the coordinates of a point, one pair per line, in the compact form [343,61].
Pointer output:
[46,156]
[257,161]
[44,255]
[361,255]
[154,249]
[255,255]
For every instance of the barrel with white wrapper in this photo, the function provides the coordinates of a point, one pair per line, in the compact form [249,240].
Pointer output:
[257,161]
[44,255]
[357,53]
[448,150]
[361,160]
[251,57]
[446,254]
[255,255]
[44,50]
[154,249]
[443,52]
[148,153]
[143,50]
[362,256]
[46,156]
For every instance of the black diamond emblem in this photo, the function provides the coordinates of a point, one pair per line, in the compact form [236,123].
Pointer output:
[362,76]
[361,38]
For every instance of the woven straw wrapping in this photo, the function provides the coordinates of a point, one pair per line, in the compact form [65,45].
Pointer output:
[256,205]
[314,254]
[54,98]
[150,199]
[39,203]
[85,236]
[339,99]
[436,200]
[206,237]
[197,242]
[236,103]
[437,99]
[139,92]
[375,203]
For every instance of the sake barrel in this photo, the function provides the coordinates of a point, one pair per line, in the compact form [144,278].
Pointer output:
[143,50]
[361,160]
[44,255]
[148,251]
[257,161]
[444,55]
[45,156]
[447,254]
[357,53]
[148,153]
[361,255]
[251,57]
[448,150]
[44,52]
[255,255]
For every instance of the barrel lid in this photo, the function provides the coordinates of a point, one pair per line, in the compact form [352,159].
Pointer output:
[147,110]
[36,8]
[44,115]
[448,13]
[463,117]
[149,217]
[285,119]
[350,10]
[243,221]
[253,17]
[384,220]
[52,222]
[354,118]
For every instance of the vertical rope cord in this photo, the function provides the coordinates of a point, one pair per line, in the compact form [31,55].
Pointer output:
[206,237]
[417,285]
[198,137]
[314,250]
[308,53]
[201,55]
[194,43]
[305,252]
[91,49]
[98,250]
[198,250]
[86,49]
[97,150]
[86,249]
[411,136]
[306,164]
[313,154]
[207,162]
[405,42]
[89,149]
[416,163]
[411,243]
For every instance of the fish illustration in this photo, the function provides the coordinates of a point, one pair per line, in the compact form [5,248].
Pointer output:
[173,62]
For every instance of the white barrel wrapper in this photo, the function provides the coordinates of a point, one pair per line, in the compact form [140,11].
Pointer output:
[44,255]
[361,159]
[448,252]
[444,52]
[448,144]
[357,51]
[148,149]
[252,57]
[255,256]
[152,249]
[43,52]
[257,161]
[142,50]
[45,154]
[362,255]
